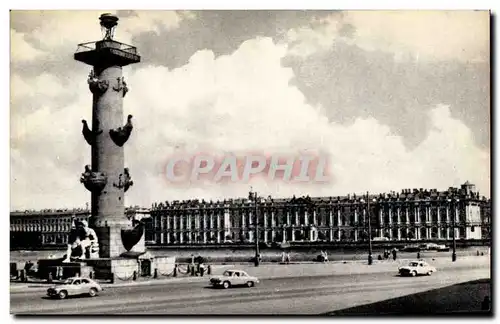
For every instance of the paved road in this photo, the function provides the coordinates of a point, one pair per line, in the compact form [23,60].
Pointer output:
[307,295]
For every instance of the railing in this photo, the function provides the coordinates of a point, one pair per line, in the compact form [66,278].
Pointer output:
[84,47]
[105,44]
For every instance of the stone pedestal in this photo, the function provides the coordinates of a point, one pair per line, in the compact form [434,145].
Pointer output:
[116,268]
[122,269]
[69,269]
[111,240]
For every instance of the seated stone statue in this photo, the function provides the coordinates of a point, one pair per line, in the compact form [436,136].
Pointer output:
[83,243]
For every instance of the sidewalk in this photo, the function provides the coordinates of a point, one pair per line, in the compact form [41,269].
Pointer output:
[292,270]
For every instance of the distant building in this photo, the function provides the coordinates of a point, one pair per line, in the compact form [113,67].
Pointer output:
[44,228]
[412,214]
[50,227]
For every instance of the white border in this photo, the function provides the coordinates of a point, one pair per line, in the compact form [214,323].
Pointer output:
[185,4]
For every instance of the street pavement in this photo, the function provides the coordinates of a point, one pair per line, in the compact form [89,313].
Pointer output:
[275,270]
[468,298]
[306,295]
[348,268]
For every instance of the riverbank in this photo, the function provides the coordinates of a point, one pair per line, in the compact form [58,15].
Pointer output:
[234,255]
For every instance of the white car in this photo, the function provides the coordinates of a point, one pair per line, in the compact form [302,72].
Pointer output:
[75,286]
[415,268]
[443,248]
[231,278]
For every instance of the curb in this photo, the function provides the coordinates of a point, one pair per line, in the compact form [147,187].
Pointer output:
[155,282]
[45,286]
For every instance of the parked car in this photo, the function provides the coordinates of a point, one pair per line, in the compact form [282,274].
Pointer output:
[415,268]
[231,278]
[411,248]
[75,286]
[443,248]
[429,247]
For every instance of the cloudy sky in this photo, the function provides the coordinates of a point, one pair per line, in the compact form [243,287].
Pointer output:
[395,99]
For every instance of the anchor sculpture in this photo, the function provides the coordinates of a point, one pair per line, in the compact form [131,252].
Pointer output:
[121,135]
[121,86]
[124,180]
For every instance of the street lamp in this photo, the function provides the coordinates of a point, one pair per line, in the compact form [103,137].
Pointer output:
[452,205]
[370,252]
[252,196]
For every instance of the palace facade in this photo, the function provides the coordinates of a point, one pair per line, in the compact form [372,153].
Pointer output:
[412,214]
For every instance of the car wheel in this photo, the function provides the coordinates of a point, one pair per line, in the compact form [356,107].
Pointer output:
[93,292]
[250,284]
[429,273]
[413,273]
[226,285]
[63,294]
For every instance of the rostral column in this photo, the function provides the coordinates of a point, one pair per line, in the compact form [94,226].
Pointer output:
[106,178]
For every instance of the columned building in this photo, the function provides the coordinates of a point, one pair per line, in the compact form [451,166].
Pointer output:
[191,223]
[44,228]
[51,227]
[412,214]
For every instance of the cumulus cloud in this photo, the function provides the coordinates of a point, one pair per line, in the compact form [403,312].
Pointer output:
[59,31]
[20,49]
[234,103]
[428,35]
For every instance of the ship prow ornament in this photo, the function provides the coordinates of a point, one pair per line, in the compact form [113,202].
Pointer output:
[89,135]
[121,134]
[132,236]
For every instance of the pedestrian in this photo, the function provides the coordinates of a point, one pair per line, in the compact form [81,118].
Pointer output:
[394,254]
[418,255]
[59,273]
